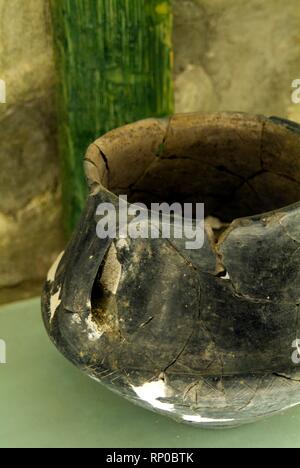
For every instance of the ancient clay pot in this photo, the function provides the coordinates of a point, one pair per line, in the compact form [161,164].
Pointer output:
[204,336]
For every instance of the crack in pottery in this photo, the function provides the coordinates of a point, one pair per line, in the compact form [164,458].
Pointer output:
[202,336]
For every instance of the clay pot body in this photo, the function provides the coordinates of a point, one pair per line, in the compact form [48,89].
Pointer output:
[205,336]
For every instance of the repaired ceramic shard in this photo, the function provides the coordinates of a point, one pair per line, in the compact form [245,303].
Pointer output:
[207,336]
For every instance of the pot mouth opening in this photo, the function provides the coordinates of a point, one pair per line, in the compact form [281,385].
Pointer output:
[237,165]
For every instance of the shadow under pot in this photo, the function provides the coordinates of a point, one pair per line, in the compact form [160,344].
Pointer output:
[207,335]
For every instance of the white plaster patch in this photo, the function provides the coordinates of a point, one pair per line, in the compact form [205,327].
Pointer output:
[53,269]
[76,319]
[200,419]
[122,244]
[226,277]
[94,332]
[55,302]
[152,391]
[93,377]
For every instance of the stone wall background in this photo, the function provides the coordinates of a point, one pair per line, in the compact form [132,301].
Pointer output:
[229,55]
[237,55]
[30,209]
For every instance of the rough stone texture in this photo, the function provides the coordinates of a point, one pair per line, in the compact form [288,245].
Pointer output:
[205,336]
[236,55]
[30,226]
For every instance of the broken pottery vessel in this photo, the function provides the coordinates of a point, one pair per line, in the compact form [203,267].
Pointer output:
[204,336]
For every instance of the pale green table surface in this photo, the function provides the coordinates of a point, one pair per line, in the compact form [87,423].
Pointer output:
[46,402]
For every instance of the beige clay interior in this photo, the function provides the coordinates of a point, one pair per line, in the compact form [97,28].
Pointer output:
[238,165]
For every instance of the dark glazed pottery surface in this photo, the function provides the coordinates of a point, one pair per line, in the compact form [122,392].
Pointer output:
[204,336]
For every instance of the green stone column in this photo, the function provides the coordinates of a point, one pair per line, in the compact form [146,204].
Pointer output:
[114,64]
